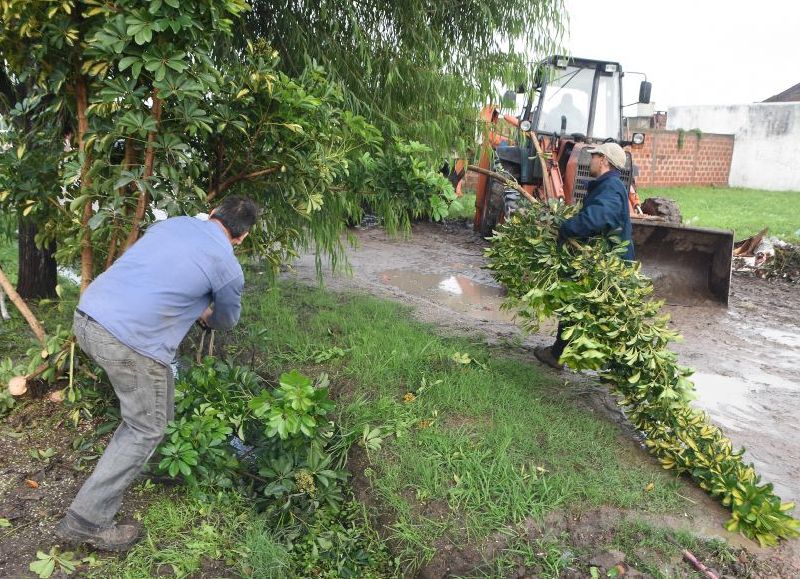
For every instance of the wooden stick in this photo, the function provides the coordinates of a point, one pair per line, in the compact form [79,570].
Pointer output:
[506,181]
[199,356]
[23,308]
[687,555]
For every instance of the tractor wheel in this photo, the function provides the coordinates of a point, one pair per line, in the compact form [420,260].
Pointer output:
[664,208]
[492,207]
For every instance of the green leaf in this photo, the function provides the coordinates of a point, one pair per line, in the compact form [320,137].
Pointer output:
[97,220]
[44,567]
[128,61]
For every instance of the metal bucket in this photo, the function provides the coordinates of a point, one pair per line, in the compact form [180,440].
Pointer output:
[688,265]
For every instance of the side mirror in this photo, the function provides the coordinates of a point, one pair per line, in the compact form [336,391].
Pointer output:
[510,99]
[644,92]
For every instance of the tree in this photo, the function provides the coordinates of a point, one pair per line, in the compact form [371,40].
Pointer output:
[27,180]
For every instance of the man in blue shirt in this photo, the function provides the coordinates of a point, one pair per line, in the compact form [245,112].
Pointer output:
[605,212]
[130,320]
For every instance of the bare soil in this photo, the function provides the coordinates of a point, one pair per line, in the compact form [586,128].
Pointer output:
[746,356]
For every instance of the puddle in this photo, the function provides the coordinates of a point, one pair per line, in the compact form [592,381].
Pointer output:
[735,402]
[730,401]
[790,339]
[457,292]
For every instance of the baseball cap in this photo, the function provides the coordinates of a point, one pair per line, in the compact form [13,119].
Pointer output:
[611,151]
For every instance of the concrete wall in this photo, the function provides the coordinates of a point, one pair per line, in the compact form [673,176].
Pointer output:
[674,158]
[766,154]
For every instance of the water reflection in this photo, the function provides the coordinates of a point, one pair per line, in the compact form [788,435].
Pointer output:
[458,292]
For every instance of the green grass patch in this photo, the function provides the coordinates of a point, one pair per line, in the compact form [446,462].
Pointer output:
[458,449]
[184,536]
[465,209]
[746,211]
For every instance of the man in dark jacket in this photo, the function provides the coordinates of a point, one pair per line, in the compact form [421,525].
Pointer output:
[604,212]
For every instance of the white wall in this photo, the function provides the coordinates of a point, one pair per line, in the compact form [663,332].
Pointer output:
[766,152]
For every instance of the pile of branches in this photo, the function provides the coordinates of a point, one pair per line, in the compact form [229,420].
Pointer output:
[785,264]
[616,328]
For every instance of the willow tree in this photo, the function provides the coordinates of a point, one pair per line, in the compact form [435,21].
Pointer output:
[416,68]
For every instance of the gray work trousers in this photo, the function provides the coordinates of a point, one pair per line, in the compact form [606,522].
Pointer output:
[146,392]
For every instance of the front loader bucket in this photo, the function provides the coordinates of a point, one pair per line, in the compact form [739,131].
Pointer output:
[688,265]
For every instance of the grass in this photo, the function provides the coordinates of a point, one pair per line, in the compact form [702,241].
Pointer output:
[746,211]
[483,445]
[187,536]
[466,208]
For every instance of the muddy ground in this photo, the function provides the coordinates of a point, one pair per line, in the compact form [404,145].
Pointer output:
[746,356]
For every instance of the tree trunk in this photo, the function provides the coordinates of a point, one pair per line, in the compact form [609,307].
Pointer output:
[87,251]
[36,276]
[149,161]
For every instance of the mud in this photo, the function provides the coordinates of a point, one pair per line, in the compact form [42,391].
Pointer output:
[746,356]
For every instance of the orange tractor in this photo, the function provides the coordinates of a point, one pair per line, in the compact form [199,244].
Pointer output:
[575,103]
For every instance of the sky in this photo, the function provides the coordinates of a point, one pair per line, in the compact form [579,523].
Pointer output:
[694,52]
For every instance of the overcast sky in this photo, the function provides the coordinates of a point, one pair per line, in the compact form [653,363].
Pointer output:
[695,52]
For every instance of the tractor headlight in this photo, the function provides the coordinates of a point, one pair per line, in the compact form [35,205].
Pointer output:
[525,126]
[638,138]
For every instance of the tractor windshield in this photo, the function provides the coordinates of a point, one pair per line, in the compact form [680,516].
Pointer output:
[567,99]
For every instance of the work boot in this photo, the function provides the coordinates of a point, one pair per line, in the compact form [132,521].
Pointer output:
[74,530]
[545,355]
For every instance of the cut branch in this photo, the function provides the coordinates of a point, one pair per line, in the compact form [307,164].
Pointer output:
[243,176]
[23,309]
[149,161]
[505,180]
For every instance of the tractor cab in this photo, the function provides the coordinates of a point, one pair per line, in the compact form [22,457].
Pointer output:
[578,97]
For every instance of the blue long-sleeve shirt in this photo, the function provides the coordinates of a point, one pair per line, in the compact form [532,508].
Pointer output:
[152,295]
[604,212]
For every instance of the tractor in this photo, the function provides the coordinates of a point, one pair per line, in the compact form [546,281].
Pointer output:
[577,102]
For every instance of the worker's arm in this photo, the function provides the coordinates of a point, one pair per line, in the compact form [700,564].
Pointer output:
[227,305]
[599,217]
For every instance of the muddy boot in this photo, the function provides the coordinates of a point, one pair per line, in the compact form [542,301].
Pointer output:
[74,530]
[545,355]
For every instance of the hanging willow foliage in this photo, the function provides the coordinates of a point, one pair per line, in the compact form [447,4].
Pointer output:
[615,327]
[419,68]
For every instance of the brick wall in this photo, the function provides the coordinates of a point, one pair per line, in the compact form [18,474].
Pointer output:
[699,161]
[702,159]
